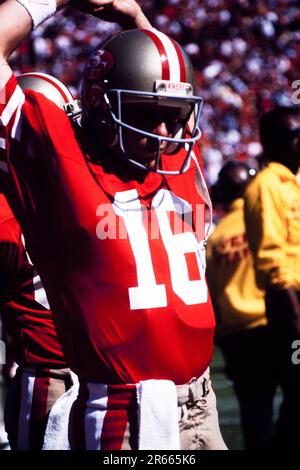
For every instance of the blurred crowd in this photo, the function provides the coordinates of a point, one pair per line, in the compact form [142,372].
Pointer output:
[246,54]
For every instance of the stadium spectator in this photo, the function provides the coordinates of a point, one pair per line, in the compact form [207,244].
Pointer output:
[42,375]
[272,214]
[242,330]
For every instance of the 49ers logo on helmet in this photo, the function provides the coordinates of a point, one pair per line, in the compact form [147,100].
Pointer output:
[99,65]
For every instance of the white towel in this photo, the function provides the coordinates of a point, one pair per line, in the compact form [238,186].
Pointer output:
[158,415]
[56,435]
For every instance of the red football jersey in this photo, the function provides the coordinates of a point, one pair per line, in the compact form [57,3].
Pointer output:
[23,302]
[117,254]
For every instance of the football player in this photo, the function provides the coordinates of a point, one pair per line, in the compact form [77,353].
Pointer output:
[272,215]
[242,330]
[113,211]
[42,375]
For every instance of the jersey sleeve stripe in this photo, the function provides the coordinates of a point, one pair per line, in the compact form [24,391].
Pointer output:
[16,128]
[16,99]
[7,92]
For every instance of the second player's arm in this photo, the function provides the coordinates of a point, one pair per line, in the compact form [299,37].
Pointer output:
[15,26]
[16,23]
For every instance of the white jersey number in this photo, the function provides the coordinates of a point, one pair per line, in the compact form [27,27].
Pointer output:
[149,294]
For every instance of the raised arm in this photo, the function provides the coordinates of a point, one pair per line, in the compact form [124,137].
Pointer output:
[15,25]
[16,22]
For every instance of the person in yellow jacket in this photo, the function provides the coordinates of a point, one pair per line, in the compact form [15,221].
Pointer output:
[272,215]
[242,331]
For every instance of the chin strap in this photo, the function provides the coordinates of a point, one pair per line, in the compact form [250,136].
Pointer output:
[202,190]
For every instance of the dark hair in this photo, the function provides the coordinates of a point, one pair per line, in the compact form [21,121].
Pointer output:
[232,182]
[272,132]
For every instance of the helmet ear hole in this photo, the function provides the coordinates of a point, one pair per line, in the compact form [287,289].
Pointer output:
[101,126]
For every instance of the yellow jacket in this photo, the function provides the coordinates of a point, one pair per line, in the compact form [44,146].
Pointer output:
[272,215]
[231,277]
